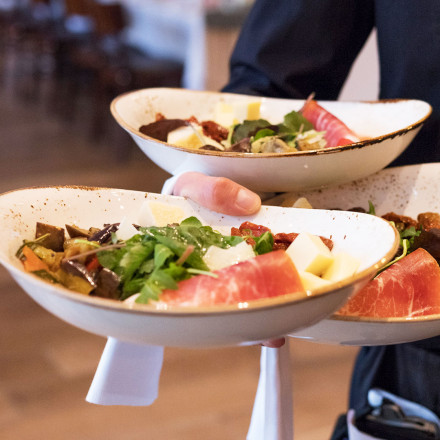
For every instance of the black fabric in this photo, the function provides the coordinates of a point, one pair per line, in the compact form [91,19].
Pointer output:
[407,370]
[291,48]
[340,431]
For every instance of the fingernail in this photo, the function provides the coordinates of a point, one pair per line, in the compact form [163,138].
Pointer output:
[247,200]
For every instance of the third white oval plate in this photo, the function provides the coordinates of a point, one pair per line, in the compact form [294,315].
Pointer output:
[407,190]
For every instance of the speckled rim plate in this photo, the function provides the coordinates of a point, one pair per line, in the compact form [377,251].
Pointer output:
[407,190]
[295,104]
[176,326]
[388,126]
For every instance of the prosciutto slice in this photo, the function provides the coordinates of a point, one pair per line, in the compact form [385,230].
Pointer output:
[264,276]
[336,132]
[408,288]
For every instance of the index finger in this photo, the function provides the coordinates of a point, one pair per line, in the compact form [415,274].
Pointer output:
[218,194]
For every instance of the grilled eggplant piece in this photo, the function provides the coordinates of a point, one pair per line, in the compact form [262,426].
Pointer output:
[54,239]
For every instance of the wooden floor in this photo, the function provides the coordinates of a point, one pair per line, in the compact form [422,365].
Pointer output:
[46,366]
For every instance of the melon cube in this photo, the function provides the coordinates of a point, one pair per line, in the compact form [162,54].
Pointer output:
[343,266]
[311,281]
[310,254]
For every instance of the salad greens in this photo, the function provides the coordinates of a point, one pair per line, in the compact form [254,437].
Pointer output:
[294,133]
[159,257]
[154,259]
[407,237]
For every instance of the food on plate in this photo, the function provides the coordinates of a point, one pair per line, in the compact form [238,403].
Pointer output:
[240,128]
[264,276]
[336,132]
[185,263]
[410,287]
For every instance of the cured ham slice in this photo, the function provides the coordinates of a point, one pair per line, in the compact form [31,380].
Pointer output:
[408,288]
[264,276]
[336,132]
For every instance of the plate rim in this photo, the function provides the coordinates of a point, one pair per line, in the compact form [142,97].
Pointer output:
[234,155]
[252,306]
[390,320]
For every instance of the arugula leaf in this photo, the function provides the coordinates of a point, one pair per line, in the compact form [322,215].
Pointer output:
[371,208]
[154,285]
[202,272]
[133,257]
[146,267]
[163,279]
[149,291]
[161,255]
[232,240]
[111,258]
[263,133]
[263,243]
[178,272]
[248,129]
[399,257]
[178,243]
[191,221]
[295,122]
[130,287]
[409,234]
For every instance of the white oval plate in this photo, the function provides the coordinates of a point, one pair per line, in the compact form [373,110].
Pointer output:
[390,126]
[407,190]
[179,326]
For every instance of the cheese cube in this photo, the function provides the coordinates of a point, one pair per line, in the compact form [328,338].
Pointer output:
[231,114]
[154,213]
[191,137]
[253,110]
[224,114]
[217,258]
[343,266]
[187,137]
[310,254]
[126,229]
[311,281]
[303,203]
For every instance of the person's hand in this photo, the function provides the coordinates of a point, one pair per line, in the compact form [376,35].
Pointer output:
[221,195]
[217,193]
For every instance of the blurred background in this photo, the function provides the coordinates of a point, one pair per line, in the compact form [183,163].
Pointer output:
[61,63]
